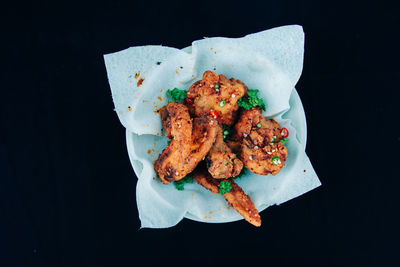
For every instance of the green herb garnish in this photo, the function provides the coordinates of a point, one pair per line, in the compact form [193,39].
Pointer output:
[180,185]
[176,95]
[284,140]
[252,100]
[226,132]
[224,187]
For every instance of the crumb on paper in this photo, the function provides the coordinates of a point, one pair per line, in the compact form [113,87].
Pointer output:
[145,101]
[206,217]
[139,83]
[210,212]
[137,74]
[120,113]
[129,108]
[176,71]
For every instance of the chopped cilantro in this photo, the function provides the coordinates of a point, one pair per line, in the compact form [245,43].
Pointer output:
[240,175]
[224,187]
[169,141]
[284,140]
[180,185]
[252,100]
[226,132]
[176,95]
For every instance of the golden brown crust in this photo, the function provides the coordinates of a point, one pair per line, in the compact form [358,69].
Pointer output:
[206,97]
[235,197]
[259,139]
[190,144]
[259,160]
[222,163]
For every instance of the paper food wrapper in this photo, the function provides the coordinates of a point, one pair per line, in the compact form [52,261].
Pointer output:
[139,77]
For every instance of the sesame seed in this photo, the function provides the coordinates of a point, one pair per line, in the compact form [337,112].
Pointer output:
[256,147]
[269,153]
[233,95]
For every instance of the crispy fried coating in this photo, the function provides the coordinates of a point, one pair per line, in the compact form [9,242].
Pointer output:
[208,93]
[190,143]
[248,121]
[260,151]
[235,197]
[221,162]
[260,160]
[233,145]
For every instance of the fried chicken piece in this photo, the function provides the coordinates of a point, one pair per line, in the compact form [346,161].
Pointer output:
[190,144]
[217,94]
[235,197]
[269,159]
[260,151]
[221,162]
[166,121]
[233,145]
[249,119]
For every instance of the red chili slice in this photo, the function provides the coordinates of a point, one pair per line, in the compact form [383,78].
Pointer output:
[189,100]
[214,114]
[284,132]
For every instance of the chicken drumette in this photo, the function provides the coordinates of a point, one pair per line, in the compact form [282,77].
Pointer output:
[261,150]
[217,96]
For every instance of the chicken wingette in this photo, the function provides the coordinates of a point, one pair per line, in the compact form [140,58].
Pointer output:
[222,163]
[235,197]
[191,142]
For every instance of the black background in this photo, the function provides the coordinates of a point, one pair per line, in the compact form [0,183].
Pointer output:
[67,189]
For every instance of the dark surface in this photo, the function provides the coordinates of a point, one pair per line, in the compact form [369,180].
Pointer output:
[67,189]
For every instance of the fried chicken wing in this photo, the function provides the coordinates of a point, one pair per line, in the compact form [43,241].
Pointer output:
[221,162]
[190,143]
[260,151]
[215,93]
[249,119]
[269,159]
[235,197]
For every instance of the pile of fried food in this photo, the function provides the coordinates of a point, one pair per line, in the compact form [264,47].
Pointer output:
[198,146]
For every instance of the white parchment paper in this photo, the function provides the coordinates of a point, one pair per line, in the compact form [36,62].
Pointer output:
[270,61]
